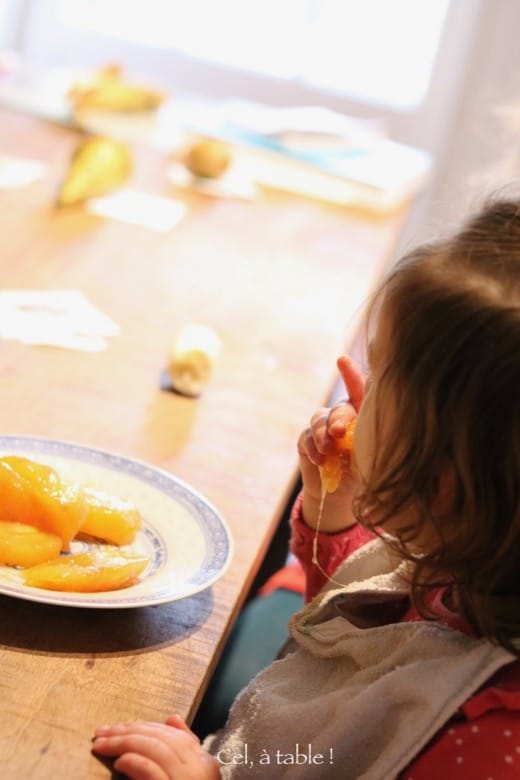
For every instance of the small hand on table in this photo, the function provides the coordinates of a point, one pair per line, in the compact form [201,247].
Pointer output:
[156,751]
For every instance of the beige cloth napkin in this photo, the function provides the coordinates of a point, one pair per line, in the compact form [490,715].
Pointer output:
[359,703]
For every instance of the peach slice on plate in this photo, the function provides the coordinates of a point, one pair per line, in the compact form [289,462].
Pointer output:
[23,545]
[35,494]
[112,519]
[102,569]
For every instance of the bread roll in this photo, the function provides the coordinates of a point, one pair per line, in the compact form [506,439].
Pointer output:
[192,358]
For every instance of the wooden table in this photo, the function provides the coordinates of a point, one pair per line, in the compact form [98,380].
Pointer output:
[281,281]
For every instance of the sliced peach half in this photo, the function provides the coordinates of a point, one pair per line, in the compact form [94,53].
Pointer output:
[331,471]
[102,569]
[23,545]
[112,519]
[35,494]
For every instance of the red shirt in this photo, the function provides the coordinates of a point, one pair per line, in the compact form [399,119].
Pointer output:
[482,740]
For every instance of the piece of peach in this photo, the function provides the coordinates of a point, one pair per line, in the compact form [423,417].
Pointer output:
[35,494]
[112,519]
[102,569]
[330,470]
[23,545]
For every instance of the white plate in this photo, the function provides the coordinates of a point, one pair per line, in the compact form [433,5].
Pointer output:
[188,543]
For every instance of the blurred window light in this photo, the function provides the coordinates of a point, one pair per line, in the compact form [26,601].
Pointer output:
[379,51]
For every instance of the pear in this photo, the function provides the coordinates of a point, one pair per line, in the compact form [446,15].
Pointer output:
[108,91]
[118,96]
[98,165]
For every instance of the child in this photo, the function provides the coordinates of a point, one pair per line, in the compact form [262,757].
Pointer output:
[406,663]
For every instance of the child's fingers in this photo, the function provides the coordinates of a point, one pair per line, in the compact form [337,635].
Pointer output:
[353,379]
[176,722]
[320,435]
[147,750]
[312,439]
[307,448]
[147,745]
[160,730]
[144,756]
[339,418]
[156,741]
[327,424]
[138,767]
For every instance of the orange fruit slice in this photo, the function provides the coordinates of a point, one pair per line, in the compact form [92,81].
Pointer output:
[109,518]
[23,545]
[35,494]
[102,569]
[330,470]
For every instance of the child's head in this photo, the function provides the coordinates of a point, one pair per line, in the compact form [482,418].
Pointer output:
[445,415]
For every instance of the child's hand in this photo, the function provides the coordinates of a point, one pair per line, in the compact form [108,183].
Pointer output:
[317,442]
[156,751]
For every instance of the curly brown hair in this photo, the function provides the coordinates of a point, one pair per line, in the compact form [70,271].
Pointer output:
[453,370]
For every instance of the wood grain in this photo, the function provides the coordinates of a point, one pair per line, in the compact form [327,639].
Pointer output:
[282,281]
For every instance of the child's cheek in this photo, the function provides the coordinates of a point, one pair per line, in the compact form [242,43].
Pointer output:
[364,437]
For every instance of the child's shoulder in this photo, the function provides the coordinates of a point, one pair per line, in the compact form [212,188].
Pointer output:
[483,737]
[500,692]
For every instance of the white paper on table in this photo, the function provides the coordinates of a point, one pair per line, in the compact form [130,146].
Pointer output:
[139,208]
[18,172]
[58,318]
